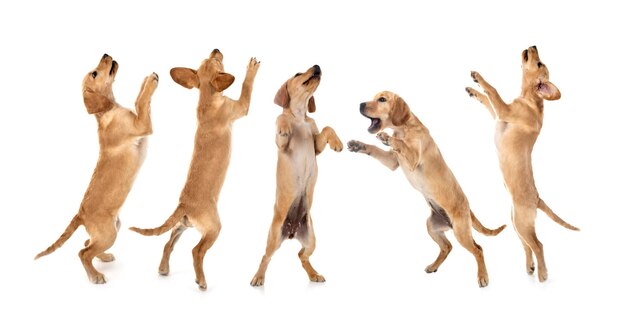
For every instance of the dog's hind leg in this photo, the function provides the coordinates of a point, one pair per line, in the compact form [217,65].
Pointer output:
[164,266]
[524,223]
[274,239]
[102,238]
[437,224]
[210,229]
[306,236]
[463,232]
[108,257]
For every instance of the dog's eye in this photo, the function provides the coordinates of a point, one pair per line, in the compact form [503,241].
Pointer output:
[539,64]
[297,74]
[94,74]
[382,99]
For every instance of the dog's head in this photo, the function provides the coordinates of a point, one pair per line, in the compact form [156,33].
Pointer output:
[386,110]
[300,88]
[210,74]
[98,86]
[535,76]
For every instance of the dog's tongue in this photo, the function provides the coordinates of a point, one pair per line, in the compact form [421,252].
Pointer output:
[374,125]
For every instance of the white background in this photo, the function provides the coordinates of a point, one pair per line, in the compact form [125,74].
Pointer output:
[372,239]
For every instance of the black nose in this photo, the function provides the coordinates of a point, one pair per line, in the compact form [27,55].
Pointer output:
[534,47]
[105,56]
[317,70]
[216,50]
[362,107]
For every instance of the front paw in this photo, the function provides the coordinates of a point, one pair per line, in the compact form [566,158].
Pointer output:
[150,83]
[471,92]
[253,66]
[384,138]
[476,77]
[335,144]
[284,129]
[356,146]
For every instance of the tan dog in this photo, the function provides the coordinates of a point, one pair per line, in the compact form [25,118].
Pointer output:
[415,151]
[122,135]
[517,127]
[298,141]
[216,114]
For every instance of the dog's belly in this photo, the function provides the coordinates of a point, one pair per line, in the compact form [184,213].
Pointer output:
[301,158]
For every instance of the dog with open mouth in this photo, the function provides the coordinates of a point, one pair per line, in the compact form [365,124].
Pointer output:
[517,127]
[415,152]
[123,141]
[299,142]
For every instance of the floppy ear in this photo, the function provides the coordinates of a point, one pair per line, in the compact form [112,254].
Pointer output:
[185,77]
[96,103]
[312,104]
[222,81]
[548,91]
[400,112]
[282,97]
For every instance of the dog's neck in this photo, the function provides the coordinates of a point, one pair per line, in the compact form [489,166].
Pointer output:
[298,109]
[411,125]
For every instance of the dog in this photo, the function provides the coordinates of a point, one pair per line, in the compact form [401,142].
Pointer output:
[415,151]
[517,127]
[299,142]
[216,114]
[123,141]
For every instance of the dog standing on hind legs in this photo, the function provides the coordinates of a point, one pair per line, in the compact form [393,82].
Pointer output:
[415,152]
[122,136]
[299,142]
[517,127]
[198,201]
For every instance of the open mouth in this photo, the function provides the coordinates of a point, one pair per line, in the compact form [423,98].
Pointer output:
[113,67]
[375,124]
[525,55]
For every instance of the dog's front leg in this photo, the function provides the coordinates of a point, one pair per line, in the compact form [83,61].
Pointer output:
[482,98]
[246,89]
[401,148]
[329,136]
[500,108]
[143,123]
[283,132]
[387,158]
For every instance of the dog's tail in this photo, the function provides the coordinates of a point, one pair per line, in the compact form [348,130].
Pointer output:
[482,229]
[544,207]
[74,224]
[178,214]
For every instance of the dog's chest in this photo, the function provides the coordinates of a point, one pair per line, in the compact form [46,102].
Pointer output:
[302,150]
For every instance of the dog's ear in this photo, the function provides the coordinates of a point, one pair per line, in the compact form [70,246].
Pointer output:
[312,104]
[400,112]
[185,77]
[548,91]
[222,81]
[282,97]
[96,103]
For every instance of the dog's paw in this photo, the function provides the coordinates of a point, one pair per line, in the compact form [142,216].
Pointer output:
[317,278]
[335,144]
[257,281]
[201,284]
[150,83]
[97,278]
[283,129]
[356,146]
[430,269]
[475,76]
[530,269]
[542,274]
[384,138]
[106,257]
[483,281]
[253,65]
[471,92]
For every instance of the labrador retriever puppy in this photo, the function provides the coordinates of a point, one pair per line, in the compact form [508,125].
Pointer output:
[517,127]
[415,151]
[197,205]
[299,142]
[123,139]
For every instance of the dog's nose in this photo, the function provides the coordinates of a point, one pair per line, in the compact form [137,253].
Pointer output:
[105,56]
[534,47]
[362,107]
[317,70]
[215,51]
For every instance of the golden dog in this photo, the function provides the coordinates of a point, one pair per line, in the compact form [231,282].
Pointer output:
[122,135]
[216,114]
[415,151]
[517,127]
[298,141]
